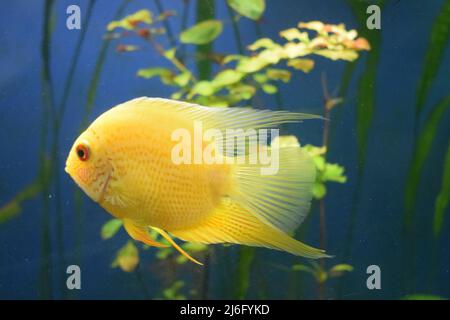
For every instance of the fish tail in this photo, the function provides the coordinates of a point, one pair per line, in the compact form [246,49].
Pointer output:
[278,194]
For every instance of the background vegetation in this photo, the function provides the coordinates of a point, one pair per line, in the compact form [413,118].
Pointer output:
[193,70]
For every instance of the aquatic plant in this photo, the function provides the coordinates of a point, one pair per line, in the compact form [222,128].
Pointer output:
[320,274]
[423,138]
[236,79]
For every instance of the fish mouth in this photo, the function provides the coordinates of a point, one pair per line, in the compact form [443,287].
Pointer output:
[104,188]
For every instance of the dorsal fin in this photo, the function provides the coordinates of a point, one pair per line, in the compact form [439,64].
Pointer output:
[223,118]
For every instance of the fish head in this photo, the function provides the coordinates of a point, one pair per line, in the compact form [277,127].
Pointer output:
[89,166]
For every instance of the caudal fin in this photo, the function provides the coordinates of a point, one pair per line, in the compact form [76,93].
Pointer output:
[282,199]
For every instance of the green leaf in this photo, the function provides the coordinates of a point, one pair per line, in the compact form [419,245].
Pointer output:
[181,259]
[193,247]
[176,95]
[252,64]
[170,54]
[163,253]
[183,78]
[13,207]
[154,72]
[320,163]
[319,190]
[242,92]
[420,155]
[166,76]
[339,269]
[260,77]
[305,65]
[127,257]
[252,9]
[266,43]
[439,37]
[321,276]
[130,21]
[126,48]
[203,88]
[213,101]
[334,172]
[110,228]
[443,197]
[203,32]
[303,268]
[315,151]
[172,293]
[226,78]
[294,34]
[233,57]
[269,88]
[278,74]
[293,50]
[348,55]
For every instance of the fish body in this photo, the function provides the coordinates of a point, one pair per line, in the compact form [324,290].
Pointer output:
[145,185]
[124,161]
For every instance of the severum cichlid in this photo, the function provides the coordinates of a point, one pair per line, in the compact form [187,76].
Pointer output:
[124,162]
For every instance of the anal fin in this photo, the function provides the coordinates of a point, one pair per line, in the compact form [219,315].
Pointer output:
[141,234]
[230,223]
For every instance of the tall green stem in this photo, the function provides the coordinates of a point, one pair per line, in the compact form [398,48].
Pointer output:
[45,287]
[205,11]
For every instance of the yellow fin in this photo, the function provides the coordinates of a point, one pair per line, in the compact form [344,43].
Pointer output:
[140,234]
[222,118]
[282,198]
[175,245]
[230,223]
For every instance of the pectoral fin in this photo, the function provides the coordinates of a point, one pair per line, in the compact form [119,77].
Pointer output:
[141,234]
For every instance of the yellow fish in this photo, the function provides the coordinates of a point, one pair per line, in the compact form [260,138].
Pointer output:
[124,162]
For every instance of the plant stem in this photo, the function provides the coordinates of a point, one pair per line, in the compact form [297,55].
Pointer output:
[141,282]
[166,24]
[184,22]
[45,288]
[92,91]
[205,280]
[205,11]
[160,50]
[322,215]
[74,62]
[237,35]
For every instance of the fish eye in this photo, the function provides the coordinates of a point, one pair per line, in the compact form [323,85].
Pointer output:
[82,152]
